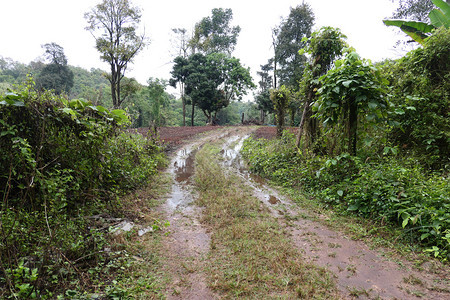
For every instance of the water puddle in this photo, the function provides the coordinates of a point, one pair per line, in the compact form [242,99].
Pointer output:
[183,166]
[182,169]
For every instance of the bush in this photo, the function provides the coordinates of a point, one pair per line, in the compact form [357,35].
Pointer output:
[390,190]
[420,88]
[61,160]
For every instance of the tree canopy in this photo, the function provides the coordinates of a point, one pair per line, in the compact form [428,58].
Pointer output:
[215,33]
[211,81]
[114,23]
[56,75]
[288,39]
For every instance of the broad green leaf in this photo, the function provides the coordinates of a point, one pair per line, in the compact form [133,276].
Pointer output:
[416,30]
[405,222]
[347,83]
[353,207]
[438,19]
[417,26]
[415,34]
[444,6]
[340,193]
[101,109]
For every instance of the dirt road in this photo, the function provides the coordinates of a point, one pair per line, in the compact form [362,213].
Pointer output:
[358,271]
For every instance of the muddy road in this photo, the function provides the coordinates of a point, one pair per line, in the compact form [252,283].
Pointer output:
[358,271]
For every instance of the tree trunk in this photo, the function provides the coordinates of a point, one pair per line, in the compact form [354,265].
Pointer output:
[352,126]
[192,114]
[306,115]
[280,122]
[183,101]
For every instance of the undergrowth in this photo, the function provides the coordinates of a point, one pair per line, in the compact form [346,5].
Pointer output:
[62,161]
[388,189]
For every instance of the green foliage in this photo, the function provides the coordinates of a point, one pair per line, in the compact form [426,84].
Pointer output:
[114,23]
[211,81]
[214,34]
[288,39]
[353,87]
[419,31]
[59,161]
[56,75]
[389,190]
[280,99]
[420,95]
[324,47]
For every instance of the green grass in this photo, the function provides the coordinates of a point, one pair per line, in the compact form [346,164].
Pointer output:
[145,277]
[251,255]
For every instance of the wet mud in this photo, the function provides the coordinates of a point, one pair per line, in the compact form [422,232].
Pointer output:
[360,272]
[187,242]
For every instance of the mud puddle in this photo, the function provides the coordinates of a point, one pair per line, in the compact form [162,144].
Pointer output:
[188,242]
[359,271]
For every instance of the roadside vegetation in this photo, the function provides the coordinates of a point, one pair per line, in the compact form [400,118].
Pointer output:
[251,255]
[390,163]
[62,162]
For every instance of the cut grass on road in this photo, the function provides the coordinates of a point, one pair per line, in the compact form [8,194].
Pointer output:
[251,255]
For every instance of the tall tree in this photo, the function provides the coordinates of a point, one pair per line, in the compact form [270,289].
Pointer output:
[215,34]
[114,23]
[183,49]
[262,97]
[287,40]
[56,75]
[211,81]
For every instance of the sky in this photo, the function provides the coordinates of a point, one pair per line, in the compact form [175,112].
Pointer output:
[25,25]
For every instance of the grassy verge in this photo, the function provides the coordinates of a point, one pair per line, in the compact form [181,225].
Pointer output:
[143,276]
[251,254]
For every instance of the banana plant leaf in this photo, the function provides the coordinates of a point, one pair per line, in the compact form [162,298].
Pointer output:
[416,30]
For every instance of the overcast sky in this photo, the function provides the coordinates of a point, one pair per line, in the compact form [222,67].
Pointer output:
[25,25]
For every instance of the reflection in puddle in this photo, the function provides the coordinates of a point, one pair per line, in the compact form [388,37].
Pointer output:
[184,166]
[182,169]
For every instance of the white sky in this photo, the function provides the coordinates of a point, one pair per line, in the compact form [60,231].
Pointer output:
[25,25]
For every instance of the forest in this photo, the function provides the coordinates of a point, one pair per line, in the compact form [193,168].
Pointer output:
[82,149]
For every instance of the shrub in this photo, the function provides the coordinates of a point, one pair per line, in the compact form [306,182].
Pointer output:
[390,190]
[61,160]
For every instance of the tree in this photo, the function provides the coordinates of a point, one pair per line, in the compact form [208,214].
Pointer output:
[179,74]
[262,98]
[287,40]
[158,98]
[280,100]
[113,23]
[56,75]
[351,88]
[214,34]
[211,81]
[324,47]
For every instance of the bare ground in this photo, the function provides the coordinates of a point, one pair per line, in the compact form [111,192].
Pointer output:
[359,272]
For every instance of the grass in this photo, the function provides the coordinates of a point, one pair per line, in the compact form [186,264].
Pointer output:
[251,255]
[145,277]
